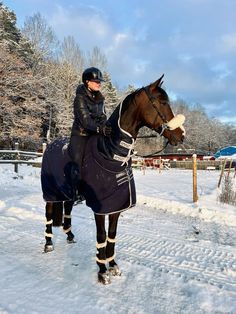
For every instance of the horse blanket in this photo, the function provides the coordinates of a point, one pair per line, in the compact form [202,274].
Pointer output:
[107,185]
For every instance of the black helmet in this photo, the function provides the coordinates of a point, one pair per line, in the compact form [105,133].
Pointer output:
[92,74]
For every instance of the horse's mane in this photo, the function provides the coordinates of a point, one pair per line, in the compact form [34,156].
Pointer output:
[125,104]
[130,98]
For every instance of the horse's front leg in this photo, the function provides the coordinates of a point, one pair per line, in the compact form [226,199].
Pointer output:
[103,274]
[68,205]
[110,248]
[48,231]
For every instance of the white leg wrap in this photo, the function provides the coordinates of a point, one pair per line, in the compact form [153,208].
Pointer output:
[49,235]
[67,230]
[49,222]
[101,245]
[111,240]
[102,261]
[67,216]
[109,259]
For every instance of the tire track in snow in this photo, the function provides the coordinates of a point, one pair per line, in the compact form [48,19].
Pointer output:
[190,261]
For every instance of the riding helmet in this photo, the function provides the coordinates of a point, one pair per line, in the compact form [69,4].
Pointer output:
[92,74]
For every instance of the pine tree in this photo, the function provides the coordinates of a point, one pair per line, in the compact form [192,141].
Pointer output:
[110,93]
[22,101]
[11,37]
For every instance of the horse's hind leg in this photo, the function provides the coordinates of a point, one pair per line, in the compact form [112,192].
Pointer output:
[110,248]
[68,205]
[48,231]
[103,274]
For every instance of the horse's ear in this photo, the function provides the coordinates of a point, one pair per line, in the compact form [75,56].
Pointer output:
[157,83]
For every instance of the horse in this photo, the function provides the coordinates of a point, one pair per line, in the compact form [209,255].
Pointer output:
[107,183]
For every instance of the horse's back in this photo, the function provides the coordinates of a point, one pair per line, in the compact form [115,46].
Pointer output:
[55,171]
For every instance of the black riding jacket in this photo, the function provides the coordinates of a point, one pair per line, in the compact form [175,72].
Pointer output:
[89,112]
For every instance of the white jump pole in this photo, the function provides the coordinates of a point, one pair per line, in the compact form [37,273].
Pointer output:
[195,196]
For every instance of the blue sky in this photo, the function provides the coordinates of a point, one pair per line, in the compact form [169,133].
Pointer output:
[193,42]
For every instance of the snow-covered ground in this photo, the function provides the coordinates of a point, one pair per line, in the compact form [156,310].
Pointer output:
[175,257]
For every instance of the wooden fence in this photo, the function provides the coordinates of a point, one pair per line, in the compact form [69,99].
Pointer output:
[21,157]
[26,157]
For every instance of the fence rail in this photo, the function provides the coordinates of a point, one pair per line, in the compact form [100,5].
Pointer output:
[18,154]
[28,162]
[140,163]
[21,152]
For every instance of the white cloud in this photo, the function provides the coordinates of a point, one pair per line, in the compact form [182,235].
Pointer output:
[228,42]
[221,70]
[86,24]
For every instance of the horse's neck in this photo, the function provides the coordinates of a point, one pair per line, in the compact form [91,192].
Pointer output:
[126,118]
[121,143]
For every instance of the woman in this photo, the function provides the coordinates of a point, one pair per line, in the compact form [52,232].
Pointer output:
[89,115]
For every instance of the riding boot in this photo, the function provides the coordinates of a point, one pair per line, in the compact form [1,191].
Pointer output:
[72,175]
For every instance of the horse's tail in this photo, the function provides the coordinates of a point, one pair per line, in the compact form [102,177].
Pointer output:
[57,214]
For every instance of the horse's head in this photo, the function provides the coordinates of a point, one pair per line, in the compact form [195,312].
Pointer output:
[157,114]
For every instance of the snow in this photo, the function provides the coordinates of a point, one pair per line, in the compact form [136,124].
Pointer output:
[175,256]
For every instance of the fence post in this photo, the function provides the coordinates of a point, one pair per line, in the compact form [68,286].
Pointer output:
[222,171]
[195,196]
[230,165]
[44,147]
[17,157]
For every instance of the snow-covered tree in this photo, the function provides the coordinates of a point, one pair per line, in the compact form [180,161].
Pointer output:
[97,59]
[71,53]
[42,38]
[22,101]
[110,93]
[11,37]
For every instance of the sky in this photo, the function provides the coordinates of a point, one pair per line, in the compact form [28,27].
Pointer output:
[192,42]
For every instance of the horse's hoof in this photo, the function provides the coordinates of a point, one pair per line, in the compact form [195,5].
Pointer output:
[104,278]
[70,237]
[70,240]
[114,271]
[48,248]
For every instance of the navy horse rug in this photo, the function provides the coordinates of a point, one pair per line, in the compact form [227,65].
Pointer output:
[107,185]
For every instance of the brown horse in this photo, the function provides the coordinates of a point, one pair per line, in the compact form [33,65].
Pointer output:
[107,179]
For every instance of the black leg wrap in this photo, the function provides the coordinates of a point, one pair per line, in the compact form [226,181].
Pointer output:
[70,237]
[48,245]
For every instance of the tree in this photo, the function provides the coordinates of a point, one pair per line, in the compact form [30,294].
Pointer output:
[10,36]
[70,53]
[97,59]
[110,94]
[202,132]
[22,101]
[68,82]
[41,37]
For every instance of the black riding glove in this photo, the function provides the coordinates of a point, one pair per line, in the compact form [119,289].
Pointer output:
[105,130]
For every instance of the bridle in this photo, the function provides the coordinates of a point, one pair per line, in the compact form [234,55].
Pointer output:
[164,125]
[159,131]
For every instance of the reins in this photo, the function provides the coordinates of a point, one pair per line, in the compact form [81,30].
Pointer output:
[154,153]
[163,125]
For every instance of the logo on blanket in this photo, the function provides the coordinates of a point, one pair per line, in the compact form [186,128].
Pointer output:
[125,176]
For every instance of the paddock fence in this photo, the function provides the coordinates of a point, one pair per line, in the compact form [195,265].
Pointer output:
[18,157]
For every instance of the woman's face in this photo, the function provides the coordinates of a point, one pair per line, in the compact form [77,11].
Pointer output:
[94,85]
